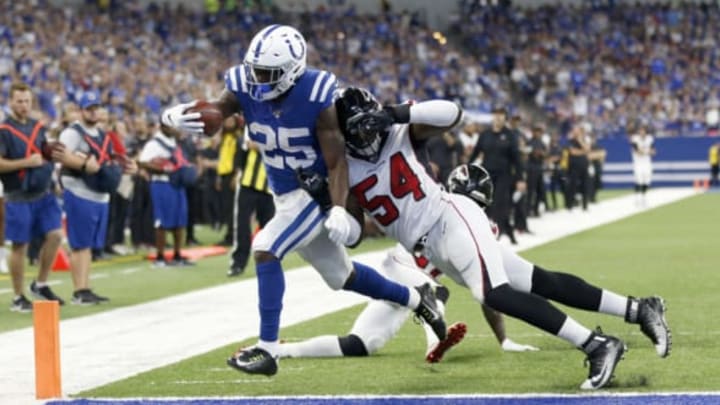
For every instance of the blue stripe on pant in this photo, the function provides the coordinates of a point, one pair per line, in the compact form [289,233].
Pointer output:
[277,247]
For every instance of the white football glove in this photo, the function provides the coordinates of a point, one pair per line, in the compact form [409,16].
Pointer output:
[342,227]
[509,346]
[177,117]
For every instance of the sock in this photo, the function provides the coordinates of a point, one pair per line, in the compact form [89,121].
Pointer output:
[319,346]
[574,333]
[271,347]
[41,284]
[271,287]
[370,283]
[413,298]
[430,337]
[613,304]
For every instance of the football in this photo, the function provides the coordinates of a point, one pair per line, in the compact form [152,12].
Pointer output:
[48,147]
[210,115]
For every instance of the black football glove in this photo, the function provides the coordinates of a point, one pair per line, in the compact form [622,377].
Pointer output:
[370,122]
[378,121]
[315,185]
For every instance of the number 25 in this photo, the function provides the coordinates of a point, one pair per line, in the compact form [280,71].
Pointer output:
[284,138]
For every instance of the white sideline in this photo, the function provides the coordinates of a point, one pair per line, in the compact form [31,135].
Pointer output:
[116,344]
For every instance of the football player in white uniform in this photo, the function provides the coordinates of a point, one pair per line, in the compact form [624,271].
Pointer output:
[370,331]
[380,321]
[649,312]
[642,153]
[451,230]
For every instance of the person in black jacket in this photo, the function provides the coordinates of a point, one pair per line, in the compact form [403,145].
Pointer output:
[579,163]
[501,157]
[535,169]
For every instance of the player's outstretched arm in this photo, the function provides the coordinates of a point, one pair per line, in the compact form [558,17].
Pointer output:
[180,116]
[427,118]
[227,103]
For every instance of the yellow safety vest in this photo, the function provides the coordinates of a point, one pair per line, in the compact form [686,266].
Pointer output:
[226,160]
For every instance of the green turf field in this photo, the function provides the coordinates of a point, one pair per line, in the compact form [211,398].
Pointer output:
[670,251]
[131,280]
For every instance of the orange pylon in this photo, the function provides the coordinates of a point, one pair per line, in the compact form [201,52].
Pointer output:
[61,263]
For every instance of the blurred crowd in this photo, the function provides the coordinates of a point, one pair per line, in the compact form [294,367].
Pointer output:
[610,63]
[143,59]
[604,67]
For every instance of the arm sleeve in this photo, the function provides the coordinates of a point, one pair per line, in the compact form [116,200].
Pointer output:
[438,113]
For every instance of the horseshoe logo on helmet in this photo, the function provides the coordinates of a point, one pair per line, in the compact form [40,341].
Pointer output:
[292,48]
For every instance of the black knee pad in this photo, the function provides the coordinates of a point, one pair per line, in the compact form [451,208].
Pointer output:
[352,346]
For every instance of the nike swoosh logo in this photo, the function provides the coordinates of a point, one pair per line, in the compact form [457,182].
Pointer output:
[597,380]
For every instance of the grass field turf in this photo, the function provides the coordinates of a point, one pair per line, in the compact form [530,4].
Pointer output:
[130,281]
[670,251]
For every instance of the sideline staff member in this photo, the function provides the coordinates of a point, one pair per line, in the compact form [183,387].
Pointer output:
[498,146]
[31,208]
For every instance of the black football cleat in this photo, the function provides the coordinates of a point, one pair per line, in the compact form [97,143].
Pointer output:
[651,317]
[254,360]
[603,354]
[428,311]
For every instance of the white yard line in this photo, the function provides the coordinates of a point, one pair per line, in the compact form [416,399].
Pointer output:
[102,348]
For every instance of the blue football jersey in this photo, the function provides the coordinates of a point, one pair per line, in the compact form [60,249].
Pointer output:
[285,130]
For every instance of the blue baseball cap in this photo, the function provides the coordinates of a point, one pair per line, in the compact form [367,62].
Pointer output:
[89,99]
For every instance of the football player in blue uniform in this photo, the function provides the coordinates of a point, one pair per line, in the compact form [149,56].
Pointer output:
[290,115]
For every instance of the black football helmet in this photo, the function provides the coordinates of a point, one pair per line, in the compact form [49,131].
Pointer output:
[473,181]
[362,138]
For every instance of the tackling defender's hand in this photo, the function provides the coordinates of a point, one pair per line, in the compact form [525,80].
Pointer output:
[371,122]
[342,227]
[177,117]
[509,346]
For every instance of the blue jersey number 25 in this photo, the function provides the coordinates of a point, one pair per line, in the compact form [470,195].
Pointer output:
[279,149]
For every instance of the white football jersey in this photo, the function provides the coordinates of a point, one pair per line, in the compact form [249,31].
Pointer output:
[642,149]
[396,191]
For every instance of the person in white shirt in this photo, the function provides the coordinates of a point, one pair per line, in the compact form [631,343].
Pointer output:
[642,152]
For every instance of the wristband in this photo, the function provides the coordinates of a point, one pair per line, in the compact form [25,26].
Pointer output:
[399,112]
